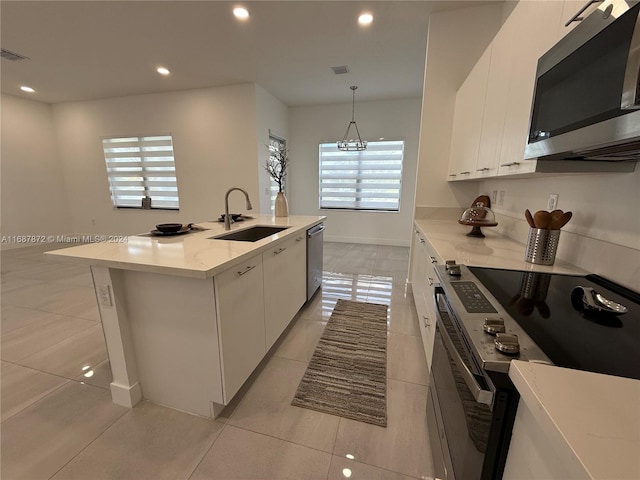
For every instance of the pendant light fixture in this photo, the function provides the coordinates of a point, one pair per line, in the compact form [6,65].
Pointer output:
[352,144]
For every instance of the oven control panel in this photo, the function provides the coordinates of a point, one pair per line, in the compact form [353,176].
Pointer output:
[472,298]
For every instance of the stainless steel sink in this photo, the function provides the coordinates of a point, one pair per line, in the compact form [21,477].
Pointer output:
[251,234]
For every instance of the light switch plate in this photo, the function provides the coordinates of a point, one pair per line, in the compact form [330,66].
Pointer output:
[552,203]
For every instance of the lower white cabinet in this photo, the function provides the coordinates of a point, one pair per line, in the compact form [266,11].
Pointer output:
[256,300]
[240,304]
[423,279]
[285,285]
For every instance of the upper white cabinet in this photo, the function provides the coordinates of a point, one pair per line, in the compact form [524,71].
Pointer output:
[284,285]
[467,121]
[495,99]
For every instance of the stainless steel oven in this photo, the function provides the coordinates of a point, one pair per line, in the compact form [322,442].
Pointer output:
[487,317]
[473,409]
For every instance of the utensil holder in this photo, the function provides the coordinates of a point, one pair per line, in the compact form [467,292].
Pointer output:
[542,246]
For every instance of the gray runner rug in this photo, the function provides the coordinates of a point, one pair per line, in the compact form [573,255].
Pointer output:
[347,374]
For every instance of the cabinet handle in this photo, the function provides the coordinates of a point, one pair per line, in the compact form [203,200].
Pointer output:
[453,175]
[465,173]
[433,259]
[422,240]
[510,164]
[299,239]
[247,270]
[280,250]
[577,17]
[483,169]
[426,322]
[430,280]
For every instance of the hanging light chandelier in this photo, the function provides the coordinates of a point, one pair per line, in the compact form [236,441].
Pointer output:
[352,144]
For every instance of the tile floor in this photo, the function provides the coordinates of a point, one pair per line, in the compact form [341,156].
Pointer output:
[58,420]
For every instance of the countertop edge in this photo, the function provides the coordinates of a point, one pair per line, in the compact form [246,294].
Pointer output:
[550,392]
[72,255]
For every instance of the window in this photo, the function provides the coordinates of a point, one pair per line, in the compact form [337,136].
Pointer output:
[275,145]
[139,167]
[361,180]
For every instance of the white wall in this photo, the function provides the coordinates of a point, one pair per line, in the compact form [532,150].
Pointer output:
[271,116]
[309,126]
[214,139]
[603,235]
[34,201]
[455,41]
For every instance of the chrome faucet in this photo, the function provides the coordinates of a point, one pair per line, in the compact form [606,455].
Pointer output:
[227,219]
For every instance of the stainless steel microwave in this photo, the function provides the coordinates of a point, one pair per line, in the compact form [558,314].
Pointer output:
[586,103]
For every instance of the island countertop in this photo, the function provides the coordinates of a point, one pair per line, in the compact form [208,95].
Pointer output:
[193,254]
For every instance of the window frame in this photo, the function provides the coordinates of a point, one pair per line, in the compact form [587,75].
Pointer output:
[359,153]
[149,183]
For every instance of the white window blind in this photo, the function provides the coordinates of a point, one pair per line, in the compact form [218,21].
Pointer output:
[362,180]
[140,167]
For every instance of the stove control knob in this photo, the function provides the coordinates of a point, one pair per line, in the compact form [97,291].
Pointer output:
[493,326]
[507,343]
[454,270]
[448,263]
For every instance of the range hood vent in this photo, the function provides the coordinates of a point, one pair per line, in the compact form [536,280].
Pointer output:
[13,56]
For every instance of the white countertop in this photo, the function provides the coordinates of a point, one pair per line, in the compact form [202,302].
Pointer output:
[450,241]
[592,420]
[189,255]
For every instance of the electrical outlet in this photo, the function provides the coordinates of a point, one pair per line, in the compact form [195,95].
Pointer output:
[494,197]
[552,203]
[104,295]
[500,197]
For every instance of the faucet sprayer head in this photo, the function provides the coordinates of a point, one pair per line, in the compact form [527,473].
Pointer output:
[249,206]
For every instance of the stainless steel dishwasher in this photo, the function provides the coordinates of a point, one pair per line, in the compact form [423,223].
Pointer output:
[314,258]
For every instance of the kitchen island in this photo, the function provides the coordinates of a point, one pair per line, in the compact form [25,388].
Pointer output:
[187,318]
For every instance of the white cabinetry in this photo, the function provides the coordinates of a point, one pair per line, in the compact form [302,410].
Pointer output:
[284,285]
[493,105]
[423,279]
[467,121]
[240,304]
[537,25]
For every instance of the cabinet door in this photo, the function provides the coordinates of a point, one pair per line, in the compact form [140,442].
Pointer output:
[467,121]
[423,279]
[569,9]
[495,108]
[537,24]
[428,319]
[285,284]
[240,303]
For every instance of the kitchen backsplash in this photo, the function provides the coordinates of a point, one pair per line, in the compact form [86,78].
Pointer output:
[616,262]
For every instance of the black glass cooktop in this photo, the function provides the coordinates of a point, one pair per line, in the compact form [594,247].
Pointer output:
[571,337]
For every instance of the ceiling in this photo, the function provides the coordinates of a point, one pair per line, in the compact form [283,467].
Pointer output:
[85,50]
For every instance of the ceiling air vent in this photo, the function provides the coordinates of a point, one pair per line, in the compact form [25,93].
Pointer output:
[340,69]
[9,55]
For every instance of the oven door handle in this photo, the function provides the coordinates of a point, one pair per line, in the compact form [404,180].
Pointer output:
[481,395]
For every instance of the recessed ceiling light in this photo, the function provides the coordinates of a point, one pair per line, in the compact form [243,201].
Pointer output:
[24,88]
[365,19]
[163,71]
[241,13]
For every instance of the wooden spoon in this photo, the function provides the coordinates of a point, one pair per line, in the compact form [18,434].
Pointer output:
[542,219]
[566,216]
[556,218]
[529,217]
